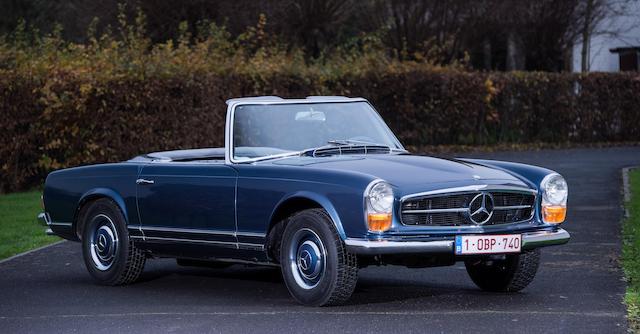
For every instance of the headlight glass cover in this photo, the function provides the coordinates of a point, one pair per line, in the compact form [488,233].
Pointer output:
[381,198]
[555,190]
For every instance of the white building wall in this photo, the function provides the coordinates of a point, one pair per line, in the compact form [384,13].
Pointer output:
[601,60]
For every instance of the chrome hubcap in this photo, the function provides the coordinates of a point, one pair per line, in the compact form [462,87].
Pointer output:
[307,258]
[104,242]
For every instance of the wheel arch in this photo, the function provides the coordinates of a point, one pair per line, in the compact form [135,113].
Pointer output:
[294,203]
[92,195]
[311,200]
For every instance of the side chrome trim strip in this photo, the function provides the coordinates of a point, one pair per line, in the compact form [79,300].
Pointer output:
[250,246]
[60,224]
[226,244]
[201,231]
[186,230]
[223,243]
[251,234]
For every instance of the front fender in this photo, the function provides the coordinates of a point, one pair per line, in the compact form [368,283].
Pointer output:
[532,175]
[323,201]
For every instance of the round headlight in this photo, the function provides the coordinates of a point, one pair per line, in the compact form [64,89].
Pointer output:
[381,197]
[555,190]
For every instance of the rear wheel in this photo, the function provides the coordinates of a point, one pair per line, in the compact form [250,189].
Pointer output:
[513,273]
[316,266]
[109,255]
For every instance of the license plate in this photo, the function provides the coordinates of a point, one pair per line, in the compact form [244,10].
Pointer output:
[488,244]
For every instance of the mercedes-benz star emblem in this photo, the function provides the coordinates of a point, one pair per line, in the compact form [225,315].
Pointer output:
[102,242]
[481,208]
[305,259]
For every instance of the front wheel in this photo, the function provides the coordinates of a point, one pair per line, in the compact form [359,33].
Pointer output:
[317,268]
[111,258]
[511,274]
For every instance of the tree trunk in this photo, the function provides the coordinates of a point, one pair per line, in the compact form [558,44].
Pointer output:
[515,61]
[567,59]
[486,51]
[586,37]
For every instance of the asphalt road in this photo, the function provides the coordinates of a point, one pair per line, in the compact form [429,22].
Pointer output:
[579,287]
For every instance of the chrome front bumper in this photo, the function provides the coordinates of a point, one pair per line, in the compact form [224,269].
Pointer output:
[530,240]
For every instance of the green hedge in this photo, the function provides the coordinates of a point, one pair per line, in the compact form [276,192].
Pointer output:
[66,119]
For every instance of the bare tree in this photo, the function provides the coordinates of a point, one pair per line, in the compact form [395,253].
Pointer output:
[590,16]
[519,35]
[422,26]
[316,24]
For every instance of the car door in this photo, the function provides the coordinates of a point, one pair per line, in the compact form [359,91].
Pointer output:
[187,202]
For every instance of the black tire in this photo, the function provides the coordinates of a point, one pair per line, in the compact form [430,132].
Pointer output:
[512,274]
[203,263]
[114,261]
[306,233]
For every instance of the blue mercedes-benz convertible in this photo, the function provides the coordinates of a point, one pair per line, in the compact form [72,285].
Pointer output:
[319,187]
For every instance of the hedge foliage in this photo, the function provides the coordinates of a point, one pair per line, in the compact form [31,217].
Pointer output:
[67,104]
[66,120]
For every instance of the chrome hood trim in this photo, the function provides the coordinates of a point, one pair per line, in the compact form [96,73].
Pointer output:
[470,188]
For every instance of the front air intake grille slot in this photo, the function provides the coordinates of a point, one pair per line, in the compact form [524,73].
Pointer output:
[349,149]
[507,207]
[512,199]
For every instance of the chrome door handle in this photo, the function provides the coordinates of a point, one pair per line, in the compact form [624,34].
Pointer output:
[144,181]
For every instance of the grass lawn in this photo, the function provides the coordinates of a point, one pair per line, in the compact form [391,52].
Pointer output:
[19,228]
[631,252]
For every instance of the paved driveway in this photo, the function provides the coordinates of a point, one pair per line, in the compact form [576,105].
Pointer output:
[579,287]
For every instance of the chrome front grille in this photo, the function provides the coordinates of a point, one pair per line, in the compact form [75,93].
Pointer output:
[453,209]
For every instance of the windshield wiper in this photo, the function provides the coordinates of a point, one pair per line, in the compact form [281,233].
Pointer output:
[332,143]
[273,156]
[349,142]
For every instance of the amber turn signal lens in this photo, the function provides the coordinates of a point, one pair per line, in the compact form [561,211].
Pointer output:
[554,214]
[379,222]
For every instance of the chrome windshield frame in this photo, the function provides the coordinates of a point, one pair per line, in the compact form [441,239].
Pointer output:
[272,100]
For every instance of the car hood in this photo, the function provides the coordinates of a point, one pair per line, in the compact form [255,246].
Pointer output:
[412,173]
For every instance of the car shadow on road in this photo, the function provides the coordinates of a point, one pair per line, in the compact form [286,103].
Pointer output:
[235,271]
[264,285]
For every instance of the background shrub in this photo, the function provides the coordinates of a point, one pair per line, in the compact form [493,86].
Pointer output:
[65,104]
[67,120]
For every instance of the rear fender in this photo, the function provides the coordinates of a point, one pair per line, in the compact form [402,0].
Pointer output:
[100,193]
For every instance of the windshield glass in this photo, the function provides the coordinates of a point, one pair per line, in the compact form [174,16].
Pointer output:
[271,129]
